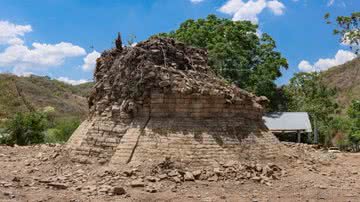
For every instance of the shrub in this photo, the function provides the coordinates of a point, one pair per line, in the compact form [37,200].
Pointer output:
[63,129]
[25,129]
[354,115]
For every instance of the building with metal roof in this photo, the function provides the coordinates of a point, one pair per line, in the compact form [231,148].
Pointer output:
[283,123]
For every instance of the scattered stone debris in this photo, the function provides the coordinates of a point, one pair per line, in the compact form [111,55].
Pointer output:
[58,185]
[119,191]
[103,183]
[232,170]
[138,183]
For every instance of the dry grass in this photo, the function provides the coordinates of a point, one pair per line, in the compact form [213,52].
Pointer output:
[346,79]
[41,92]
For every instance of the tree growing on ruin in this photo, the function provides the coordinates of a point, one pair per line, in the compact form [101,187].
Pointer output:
[236,52]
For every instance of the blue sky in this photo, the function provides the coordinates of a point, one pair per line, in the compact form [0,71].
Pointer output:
[62,38]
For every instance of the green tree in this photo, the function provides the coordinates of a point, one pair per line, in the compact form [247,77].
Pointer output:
[25,129]
[348,29]
[235,52]
[65,128]
[354,115]
[307,93]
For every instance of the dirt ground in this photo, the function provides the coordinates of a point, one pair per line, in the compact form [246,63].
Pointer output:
[33,174]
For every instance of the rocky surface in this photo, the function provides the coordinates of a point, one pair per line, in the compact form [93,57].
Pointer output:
[45,173]
[126,76]
[160,98]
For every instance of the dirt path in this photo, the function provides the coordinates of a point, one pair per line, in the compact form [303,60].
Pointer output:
[26,174]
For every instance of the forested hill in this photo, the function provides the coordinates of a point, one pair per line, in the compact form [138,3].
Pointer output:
[346,79]
[21,94]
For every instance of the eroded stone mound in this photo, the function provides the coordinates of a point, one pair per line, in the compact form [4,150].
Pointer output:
[161,99]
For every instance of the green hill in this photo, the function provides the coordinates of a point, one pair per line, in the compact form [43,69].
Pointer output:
[346,80]
[21,94]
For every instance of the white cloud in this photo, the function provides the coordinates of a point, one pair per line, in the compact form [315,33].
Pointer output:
[196,1]
[250,10]
[305,66]
[10,33]
[90,61]
[37,57]
[341,57]
[276,7]
[71,81]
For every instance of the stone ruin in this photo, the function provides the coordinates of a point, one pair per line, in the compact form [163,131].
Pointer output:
[160,99]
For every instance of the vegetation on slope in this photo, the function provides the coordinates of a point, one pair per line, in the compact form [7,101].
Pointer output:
[345,79]
[25,94]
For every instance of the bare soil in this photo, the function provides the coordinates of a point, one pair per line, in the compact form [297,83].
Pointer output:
[45,173]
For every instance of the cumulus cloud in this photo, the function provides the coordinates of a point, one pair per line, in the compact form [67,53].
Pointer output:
[196,1]
[11,33]
[276,7]
[38,56]
[250,10]
[341,57]
[71,81]
[90,61]
[305,66]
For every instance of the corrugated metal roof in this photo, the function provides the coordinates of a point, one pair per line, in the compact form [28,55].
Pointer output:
[287,121]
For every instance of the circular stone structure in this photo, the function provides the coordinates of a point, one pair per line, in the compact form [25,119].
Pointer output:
[160,99]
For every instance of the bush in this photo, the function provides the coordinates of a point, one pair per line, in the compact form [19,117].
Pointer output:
[25,129]
[354,115]
[62,131]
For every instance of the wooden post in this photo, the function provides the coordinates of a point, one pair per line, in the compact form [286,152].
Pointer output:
[298,136]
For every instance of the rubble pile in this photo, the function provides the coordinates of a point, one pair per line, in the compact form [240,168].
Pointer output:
[308,153]
[232,170]
[126,75]
[112,182]
[51,170]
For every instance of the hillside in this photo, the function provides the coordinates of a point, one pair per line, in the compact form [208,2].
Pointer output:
[346,79]
[20,94]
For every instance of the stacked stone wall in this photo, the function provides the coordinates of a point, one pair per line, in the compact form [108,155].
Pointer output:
[194,129]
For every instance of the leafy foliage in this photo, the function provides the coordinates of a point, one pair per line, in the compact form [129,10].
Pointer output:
[306,93]
[37,127]
[348,29]
[64,129]
[25,129]
[354,115]
[235,52]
